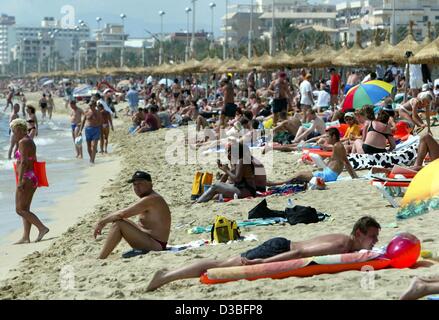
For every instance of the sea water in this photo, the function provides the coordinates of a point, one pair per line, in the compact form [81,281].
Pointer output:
[55,147]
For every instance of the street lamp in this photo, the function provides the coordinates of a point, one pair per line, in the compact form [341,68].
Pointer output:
[272,31]
[212,6]
[98,20]
[193,29]
[23,57]
[40,40]
[161,14]
[122,51]
[250,32]
[2,70]
[226,42]
[188,10]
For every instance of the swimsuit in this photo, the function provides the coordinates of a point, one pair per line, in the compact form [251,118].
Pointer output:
[280,105]
[29,175]
[230,110]
[163,244]
[368,149]
[268,249]
[92,133]
[74,126]
[327,175]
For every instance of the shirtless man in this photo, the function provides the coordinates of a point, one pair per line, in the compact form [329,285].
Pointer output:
[280,89]
[152,232]
[318,128]
[92,123]
[363,236]
[13,143]
[75,122]
[107,122]
[335,165]
[229,110]
[291,125]
[352,81]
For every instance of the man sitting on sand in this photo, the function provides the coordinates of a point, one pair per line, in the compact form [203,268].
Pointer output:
[364,236]
[152,232]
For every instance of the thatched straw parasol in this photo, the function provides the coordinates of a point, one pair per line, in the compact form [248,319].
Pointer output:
[258,61]
[349,58]
[370,52]
[210,64]
[324,58]
[192,66]
[282,59]
[428,39]
[243,65]
[397,55]
[228,66]
[428,55]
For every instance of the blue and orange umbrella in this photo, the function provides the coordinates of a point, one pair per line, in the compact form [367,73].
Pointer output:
[368,93]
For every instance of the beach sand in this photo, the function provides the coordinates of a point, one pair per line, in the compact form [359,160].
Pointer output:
[38,275]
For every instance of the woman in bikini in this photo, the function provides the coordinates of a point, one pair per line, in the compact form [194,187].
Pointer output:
[410,110]
[27,181]
[378,134]
[43,106]
[107,122]
[32,122]
[176,92]
[50,105]
[241,174]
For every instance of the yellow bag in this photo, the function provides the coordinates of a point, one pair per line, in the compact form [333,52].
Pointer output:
[224,230]
[201,180]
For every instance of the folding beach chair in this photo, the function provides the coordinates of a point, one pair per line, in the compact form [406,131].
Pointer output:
[386,184]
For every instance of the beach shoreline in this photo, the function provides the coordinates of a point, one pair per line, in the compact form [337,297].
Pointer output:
[61,215]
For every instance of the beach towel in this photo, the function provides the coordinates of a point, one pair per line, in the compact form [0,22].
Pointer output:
[278,190]
[405,157]
[187,246]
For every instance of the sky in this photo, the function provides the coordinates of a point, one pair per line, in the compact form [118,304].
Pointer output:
[141,14]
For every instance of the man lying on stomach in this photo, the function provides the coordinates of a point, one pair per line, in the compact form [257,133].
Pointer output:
[364,236]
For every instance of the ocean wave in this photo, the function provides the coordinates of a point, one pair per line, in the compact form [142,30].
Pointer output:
[55,126]
[63,159]
[6,165]
[44,141]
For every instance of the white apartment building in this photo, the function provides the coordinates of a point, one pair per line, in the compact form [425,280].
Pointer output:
[48,39]
[297,12]
[111,37]
[373,14]
[7,38]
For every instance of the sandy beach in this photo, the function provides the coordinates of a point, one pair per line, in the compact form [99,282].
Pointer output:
[38,274]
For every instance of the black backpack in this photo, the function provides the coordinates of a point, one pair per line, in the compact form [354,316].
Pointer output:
[301,214]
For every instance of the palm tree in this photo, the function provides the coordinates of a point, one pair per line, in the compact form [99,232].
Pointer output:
[401,33]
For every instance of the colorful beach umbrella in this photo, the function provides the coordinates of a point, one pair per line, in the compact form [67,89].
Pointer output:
[423,193]
[370,93]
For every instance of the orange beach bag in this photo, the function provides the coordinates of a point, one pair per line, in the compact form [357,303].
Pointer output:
[40,172]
